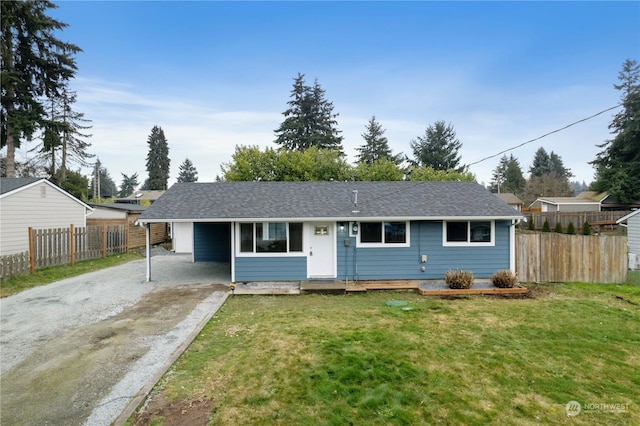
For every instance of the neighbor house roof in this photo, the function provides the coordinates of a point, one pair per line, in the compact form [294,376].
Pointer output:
[150,195]
[121,206]
[10,186]
[509,198]
[565,200]
[326,200]
[629,216]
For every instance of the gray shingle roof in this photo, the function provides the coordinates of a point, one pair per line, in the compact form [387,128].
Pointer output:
[10,184]
[287,200]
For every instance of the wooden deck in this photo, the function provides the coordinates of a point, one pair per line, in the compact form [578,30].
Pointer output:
[422,287]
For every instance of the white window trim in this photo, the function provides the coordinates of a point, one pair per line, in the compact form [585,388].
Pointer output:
[468,243]
[407,243]
[288,253]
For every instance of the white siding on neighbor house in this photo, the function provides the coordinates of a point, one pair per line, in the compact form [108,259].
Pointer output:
[633,234]
[38,206]
[105,213]
[182,237]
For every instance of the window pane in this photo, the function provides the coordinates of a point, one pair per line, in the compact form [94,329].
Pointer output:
[457,232]
[371,232]
[246,237]
[480,232]
[295,237]
[271,237]
[395,232]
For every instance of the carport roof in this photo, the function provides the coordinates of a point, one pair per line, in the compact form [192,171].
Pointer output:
[228,201]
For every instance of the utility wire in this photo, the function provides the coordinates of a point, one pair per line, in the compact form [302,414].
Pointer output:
[546,134]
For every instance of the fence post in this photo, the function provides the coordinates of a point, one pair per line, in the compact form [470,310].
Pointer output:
[72,247]
[32,257]
[104,240]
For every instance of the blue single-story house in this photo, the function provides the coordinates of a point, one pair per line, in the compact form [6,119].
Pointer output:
[297,231]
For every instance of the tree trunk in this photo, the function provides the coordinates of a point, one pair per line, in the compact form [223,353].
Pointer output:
[11,154]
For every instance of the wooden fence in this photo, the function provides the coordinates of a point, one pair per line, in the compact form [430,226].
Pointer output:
[552,257]
[60,246]
[14,265]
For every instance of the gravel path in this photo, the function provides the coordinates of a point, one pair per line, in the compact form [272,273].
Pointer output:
[92,342]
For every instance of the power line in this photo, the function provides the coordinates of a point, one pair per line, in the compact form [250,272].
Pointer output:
[546,134]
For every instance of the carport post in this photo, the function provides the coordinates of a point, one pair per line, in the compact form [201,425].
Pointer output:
[147,228]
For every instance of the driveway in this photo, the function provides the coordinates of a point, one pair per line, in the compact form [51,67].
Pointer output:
[81,350]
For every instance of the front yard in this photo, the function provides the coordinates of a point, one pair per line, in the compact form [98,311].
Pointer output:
[357,360]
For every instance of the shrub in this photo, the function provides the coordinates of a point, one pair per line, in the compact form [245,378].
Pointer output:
[458,279]
[531,225]
[545,226]
[571,230]
[558,228]
[504,279]
[586,228]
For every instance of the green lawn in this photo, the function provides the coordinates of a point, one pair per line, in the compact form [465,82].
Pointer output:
[335,360]
[56,273]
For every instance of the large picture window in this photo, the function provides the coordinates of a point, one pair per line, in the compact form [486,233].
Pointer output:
[270,237]
[384,233]
[468,232]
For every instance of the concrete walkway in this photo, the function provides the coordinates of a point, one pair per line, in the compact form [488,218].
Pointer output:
[84,349]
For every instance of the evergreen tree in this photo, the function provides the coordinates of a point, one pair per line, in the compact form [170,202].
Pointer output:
[35,65]
[545,226]
[558,228]
[309,120]
[76,184]
[508,177]
[63,134]
[158,161]
[571,229]
[102,185]
[548,177]
[128,185]
[438,148]
[188,172]
[376,145]
[618,164]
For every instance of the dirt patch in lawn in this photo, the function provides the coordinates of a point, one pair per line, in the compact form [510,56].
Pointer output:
[180,412]
[64,380]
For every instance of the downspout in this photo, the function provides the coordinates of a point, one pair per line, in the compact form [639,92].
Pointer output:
[233,252]
[147,227]
[512,246]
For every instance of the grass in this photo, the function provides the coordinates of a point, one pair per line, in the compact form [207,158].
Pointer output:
[335,360]
[56,273]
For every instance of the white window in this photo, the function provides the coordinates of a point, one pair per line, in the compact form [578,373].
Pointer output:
[387,234]
[471,233]
[270,237]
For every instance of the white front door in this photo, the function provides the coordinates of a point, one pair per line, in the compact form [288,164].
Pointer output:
[321,255]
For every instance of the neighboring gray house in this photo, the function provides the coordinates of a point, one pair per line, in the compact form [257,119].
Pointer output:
[565,204]
[36,203]
[632,222]
[294,231]
[511,199]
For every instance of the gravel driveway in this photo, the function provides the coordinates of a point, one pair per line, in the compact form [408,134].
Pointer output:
[78,351]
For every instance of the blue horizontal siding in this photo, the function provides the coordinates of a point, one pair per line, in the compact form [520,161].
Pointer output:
[426,239]
[211,242]
[271,268]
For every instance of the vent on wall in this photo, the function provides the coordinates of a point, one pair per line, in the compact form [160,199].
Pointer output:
[43,191]
[634,261]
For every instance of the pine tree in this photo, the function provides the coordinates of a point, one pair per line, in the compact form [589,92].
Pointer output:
[158,161]
[618,164]
[128,185]
[548,177]
[376,145]
[35,66]
[188,172]
[438,148]
[309,120]
[63,135]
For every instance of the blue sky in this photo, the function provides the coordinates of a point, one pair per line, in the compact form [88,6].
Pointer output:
[217,74]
